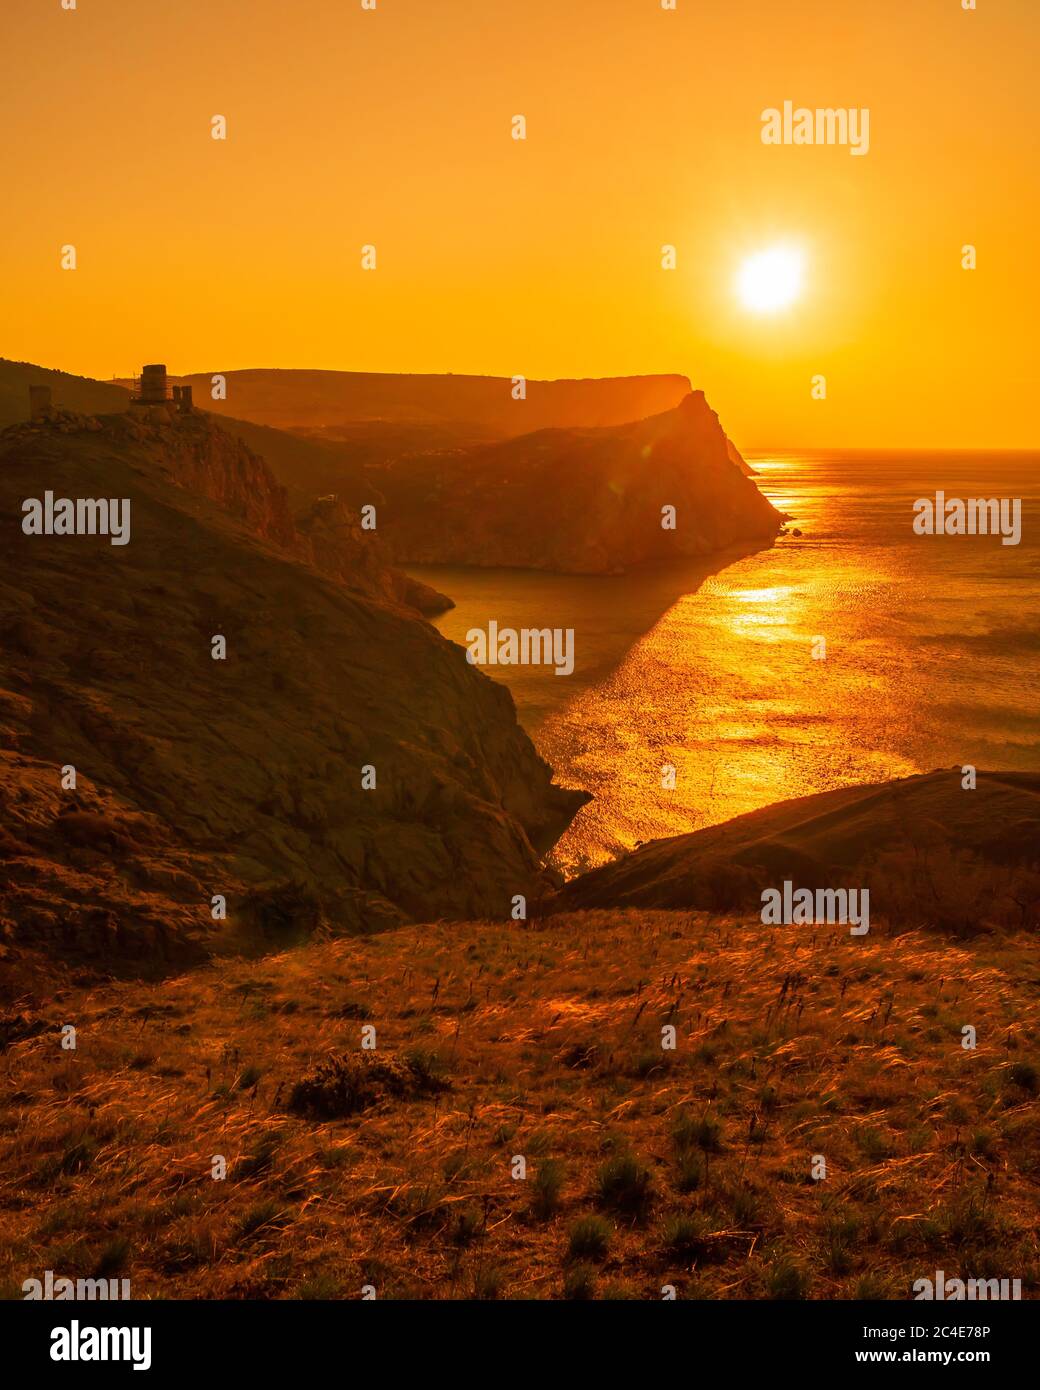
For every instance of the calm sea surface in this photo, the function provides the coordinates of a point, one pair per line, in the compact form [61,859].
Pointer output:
[932,647]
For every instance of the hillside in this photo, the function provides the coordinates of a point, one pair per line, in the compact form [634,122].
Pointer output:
[240,777]
[314,463]
[929,850]
[644,1167]
[490,499]
[296,399]
[307,468]
[78,393]
[586,501]
[416,446]
[421,441]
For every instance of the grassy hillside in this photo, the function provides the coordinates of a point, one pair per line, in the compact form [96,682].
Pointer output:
[68,392]
[644,1167]
[931,852]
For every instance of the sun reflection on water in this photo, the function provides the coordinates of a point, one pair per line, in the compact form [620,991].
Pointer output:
[930,658]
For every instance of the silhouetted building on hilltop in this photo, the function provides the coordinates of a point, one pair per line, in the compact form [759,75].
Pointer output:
[150,387]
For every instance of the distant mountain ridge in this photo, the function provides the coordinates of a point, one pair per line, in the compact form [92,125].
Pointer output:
[583,489]
[289,398]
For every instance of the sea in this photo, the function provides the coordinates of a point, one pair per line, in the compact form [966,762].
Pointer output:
[712,676]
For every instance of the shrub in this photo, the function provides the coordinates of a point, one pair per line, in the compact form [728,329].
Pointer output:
[691,1172]
[342,1086]
[785,1280]
[684,1236]
[589,1239]
[546,1189]
[624,1184]
[258,1216]
[579,1283]
[1025,1074]
[693,1132]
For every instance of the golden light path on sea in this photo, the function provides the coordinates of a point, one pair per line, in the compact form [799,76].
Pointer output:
[724,687]
[930,654]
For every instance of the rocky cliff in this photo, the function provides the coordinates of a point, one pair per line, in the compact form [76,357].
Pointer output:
[571,478]
[240,777]
[587,501]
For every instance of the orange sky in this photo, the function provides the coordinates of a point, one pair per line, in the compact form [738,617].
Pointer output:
[540,257]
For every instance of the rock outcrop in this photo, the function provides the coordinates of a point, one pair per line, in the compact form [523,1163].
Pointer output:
[336,543]
[242,777]
[583,501]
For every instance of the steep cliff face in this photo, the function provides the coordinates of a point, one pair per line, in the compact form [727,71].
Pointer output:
[240,777]
[190,452]
[186,450]
[735,456]
[589,501]
[334,542]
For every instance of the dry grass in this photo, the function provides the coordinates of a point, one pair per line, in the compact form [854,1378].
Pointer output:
[644,1167]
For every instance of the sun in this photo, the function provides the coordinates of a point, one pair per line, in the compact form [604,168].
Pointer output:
[771,279]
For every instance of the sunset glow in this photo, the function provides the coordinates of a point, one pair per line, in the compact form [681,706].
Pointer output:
[771,280]
[520,616]
[392,127]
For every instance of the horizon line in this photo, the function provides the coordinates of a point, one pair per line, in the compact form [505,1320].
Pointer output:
[744,449]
